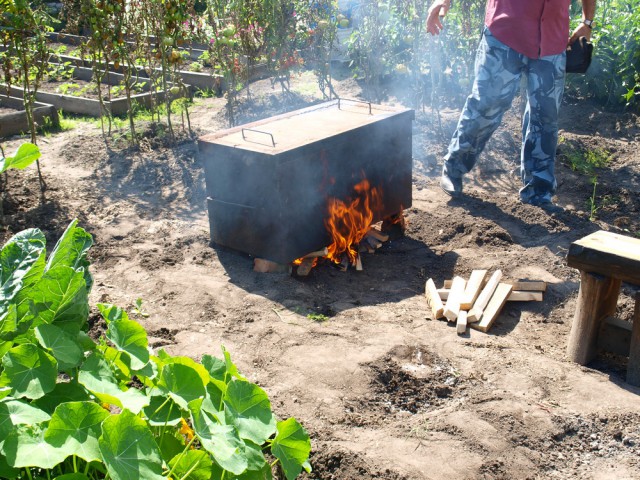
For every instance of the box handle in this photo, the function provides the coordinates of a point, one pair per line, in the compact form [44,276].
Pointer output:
[356,101]
[257,131]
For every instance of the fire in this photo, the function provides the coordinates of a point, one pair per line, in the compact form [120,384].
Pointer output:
[300,260]
[349,221]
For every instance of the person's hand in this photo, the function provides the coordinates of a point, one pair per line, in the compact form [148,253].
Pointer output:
[437,10]
[581,30]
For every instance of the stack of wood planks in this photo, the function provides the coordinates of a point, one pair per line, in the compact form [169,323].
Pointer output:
[477,302]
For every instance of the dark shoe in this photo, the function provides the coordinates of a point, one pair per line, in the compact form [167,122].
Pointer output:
[450,185]
[550,207]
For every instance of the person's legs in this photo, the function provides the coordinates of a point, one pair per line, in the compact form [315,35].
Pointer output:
[498,70]
[545,85]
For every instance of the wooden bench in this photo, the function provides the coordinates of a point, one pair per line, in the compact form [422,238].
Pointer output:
[605,260]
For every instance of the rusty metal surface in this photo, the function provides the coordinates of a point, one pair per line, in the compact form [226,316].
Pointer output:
[271,201]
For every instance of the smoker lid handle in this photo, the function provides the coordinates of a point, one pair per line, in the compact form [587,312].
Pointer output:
[273,142]
[356,101]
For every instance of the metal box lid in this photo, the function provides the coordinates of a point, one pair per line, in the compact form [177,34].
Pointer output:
[293,130]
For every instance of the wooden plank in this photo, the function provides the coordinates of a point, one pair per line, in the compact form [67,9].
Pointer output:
[525,285]
[597,299]
[520,296]
[461,324]
[261,265]
[433,299]
[452,307]
[483,299]
[493,309]
[633,368]
[473,288]
[608,254]
[514,296]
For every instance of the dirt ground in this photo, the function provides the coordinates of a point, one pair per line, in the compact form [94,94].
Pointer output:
[384,390]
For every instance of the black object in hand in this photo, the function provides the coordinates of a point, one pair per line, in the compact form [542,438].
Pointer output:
[579,55]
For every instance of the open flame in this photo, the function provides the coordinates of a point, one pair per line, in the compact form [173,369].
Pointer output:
[349,221]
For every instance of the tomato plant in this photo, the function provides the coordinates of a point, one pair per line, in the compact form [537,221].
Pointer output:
[112,407]
[23,34]
[320,32]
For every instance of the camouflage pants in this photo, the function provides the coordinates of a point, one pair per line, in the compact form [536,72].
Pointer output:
[498,71]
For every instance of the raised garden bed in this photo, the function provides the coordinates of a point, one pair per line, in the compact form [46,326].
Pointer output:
[198,80]
[91,106]
[13,118]
[203,80]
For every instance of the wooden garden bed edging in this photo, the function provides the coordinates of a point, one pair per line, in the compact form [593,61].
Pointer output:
[16,123]
[89,106]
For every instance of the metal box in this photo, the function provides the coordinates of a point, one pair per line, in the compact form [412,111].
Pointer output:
[268,182]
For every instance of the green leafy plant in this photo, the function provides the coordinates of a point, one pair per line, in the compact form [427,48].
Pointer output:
[69,88]
[112,407]
[317,317]
[60,71]
[196,67]
[26,154]
[205,59]
[585,162]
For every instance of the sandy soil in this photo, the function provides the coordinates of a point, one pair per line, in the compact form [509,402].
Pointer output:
[385,391]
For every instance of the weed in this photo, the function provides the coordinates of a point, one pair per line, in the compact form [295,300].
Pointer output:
[138,308]
[117,90]
[207,93]
[69,88]
[196,67]
[205,59]
[317,317]
[586,163]
[593,201]
[57,72]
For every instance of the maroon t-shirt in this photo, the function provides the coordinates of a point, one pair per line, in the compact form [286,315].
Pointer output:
[535,28]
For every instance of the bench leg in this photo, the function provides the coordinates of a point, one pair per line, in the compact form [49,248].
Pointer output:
[633,369]
[597,299]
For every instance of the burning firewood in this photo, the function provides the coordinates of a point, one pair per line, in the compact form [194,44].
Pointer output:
[318,253]
[372,241]
[394,226]
[359,263]
[365,247]
[377,235]
[305,267]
